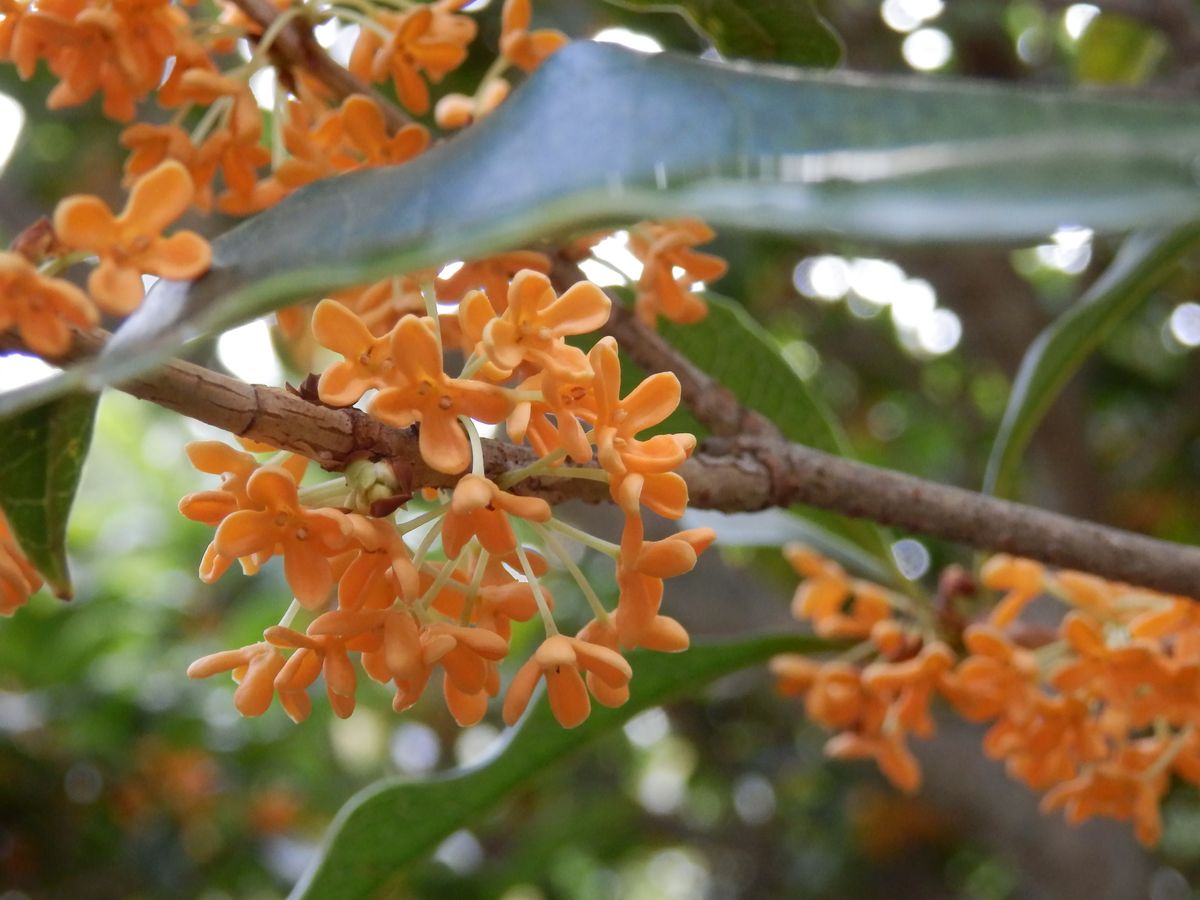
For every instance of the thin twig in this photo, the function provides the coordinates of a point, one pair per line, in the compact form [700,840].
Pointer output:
[297,46]
[713,405]
[729,474]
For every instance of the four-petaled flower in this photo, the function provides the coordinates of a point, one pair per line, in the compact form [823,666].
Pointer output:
[426,394]
[279,524]
[526,49]
[132,243]
[479,509]
[640,471]
[42,309]
[559,660]
[533,326]
[254,668]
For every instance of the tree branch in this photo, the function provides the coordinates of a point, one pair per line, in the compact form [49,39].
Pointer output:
[737,474]
[297,47]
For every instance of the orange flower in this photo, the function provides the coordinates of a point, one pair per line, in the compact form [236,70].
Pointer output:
[189,55]
[492,275]
[467,656]
[675,554]
[1120,675]
[11,12]
[795,674]
[423,40]
[570,403]
[306,537]
[458,110]
[1045,740]
[323,653]
[1123,789]
[559,660]
[235,468]
[996,677]
[836,606]
[1022,578]
[524,48]
[151,145]
[367,130]
[641,470]
[314,148]
[837,698]
[479,509]
[83,47]
[475,312]
[889,751]
[42,309]
[434,399]
[18,578]
[369,361]
[254,667]
[382,304]
[536,321]
[604,634]
[131,243]
[500,600]
[664,247]
[238,146]
[641,568]
[380,570]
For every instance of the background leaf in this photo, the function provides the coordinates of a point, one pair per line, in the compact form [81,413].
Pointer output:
[1144,262]
[1115,49]
[739,353]
[785,31]
[397,821]
[602,135]
[41,457]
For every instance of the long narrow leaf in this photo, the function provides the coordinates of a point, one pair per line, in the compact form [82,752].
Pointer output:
[603,135]
[398,821]
[1144,262]
[784,31]
[740,354]
[42,452]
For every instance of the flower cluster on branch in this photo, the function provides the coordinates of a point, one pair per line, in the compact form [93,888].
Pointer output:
[406,612]
[408,579]
[1089,685]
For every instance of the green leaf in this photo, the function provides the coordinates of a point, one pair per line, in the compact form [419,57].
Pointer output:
[734,349]
[396,822]
[1118,50]
[784,31]
[1144,262]
[41,456]
[601,135]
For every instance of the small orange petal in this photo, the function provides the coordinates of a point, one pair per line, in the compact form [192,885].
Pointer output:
[183,255]
[85,222]
[157,199]
[116,289]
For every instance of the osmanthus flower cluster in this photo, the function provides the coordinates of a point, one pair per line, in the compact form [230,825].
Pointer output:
[673,271]
[185,58]
[405,612]
[1097,709]
[212,150]
[43,308]
[401,612]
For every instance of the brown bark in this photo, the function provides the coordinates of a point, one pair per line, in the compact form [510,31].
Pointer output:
[746,473]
